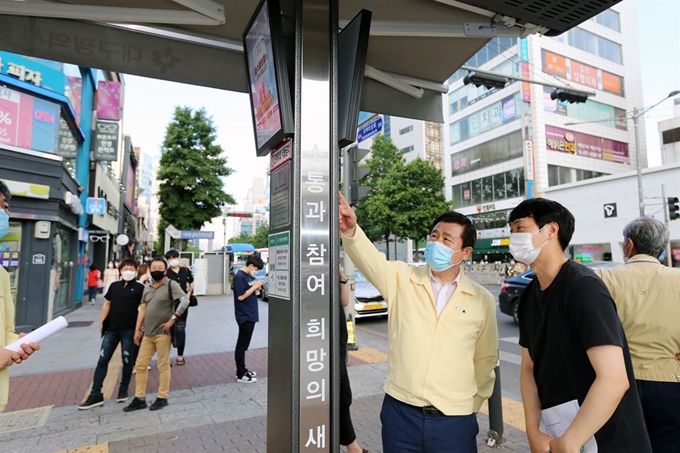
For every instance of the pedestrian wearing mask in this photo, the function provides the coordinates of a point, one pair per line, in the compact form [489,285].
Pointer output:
[442,338]
[576,366]
[247,314]
[155,320]
[117,326]
[111,274]
[185,278]
[7,312]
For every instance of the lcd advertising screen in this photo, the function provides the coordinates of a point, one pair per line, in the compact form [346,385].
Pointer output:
[267,78]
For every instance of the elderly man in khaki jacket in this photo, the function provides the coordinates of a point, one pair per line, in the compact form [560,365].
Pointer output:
[647,296]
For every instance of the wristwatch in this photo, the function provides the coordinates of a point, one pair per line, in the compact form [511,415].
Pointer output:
[344,282]
[173,317]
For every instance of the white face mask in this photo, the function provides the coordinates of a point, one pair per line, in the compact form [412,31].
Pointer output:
[254,272]
[173,263]
[522,247]
[623,247]
[110,265]
[129,275]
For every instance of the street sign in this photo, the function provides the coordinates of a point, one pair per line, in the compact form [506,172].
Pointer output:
[194,234]
[610,210]
[95,206]
[370,129]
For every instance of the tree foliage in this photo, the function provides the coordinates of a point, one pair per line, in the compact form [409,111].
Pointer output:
[404,198]
[191,191]
[259,241]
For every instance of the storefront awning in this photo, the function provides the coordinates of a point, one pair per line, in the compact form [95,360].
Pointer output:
[419,43]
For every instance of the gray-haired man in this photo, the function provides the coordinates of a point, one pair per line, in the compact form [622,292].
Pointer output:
[647,296]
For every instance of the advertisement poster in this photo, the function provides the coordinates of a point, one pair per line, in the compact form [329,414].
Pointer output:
[106,141]
[75,94]
[584,145]
[130,187]
[28,122]
[262,76]
[108,100]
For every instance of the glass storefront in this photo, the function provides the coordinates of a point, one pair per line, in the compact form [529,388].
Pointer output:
[492,152]
[501,186]
[564,175]
[61,269]
[10,251]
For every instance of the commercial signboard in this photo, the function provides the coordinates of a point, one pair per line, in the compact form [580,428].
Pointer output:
[582,74]
[564,141]
[105,143]
[28,122]
[108,100]
[32,71]
[67,146]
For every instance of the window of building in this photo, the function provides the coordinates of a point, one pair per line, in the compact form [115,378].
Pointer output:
[592,43]
[490,220]
[408,149]
[387,126]
[509,184]
[609,19]
[493,48]
[488,153]
[405,130]
[491,117]
[591,111]
[469,94]
[670,136]
[564,175]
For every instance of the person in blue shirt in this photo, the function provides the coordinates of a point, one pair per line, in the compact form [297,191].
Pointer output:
[247,314]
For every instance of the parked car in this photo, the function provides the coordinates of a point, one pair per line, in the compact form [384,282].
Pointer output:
[512,287]
[264,292]
[367,299]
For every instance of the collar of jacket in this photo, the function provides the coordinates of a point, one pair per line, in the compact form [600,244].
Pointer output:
[421,276]
[642,258]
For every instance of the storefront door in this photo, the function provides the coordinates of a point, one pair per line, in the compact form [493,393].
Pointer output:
[61,267]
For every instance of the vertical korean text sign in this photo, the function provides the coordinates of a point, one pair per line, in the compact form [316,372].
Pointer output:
[315,377]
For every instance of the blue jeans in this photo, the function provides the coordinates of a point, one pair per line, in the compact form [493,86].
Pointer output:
[109,344]
[92,290]
[405,429]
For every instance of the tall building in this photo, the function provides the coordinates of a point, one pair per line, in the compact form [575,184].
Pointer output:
[502,146]
[669,131]
[255,202]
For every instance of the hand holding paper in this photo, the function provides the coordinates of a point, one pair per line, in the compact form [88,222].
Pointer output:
[37,336]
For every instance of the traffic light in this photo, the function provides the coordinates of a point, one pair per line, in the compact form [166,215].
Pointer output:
[673,208]
[356,174]
[570,96]
[488,80]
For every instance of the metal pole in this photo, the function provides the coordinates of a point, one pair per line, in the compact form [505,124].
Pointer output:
[666,220]
[638,160]
[224,255]
[495,434]
[348,265]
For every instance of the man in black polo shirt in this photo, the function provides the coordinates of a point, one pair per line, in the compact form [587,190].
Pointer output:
[247,314]
[185,278]
[118,320]
[577,382]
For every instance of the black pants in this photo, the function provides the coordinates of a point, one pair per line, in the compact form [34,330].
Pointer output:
[347,435]
[181,335]
[661,406]
[245,333]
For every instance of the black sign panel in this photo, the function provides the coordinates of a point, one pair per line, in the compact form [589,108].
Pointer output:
[68,144]
[610,210]
[105,141]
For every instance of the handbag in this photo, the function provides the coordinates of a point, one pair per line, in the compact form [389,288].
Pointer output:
[179,326]
[100,283]
[193,301]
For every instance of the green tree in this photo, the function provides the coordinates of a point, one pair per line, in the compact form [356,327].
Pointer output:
[375,212]
[191,191]
[243,238]
[261,238]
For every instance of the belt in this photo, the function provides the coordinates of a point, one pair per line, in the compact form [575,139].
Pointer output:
[427,410]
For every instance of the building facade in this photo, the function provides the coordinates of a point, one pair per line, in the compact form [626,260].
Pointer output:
[669,133]
[503,146]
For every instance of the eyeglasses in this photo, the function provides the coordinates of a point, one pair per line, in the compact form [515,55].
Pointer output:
[99,238]
[107,127]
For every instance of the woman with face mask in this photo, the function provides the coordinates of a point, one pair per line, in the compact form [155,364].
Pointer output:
[111,274]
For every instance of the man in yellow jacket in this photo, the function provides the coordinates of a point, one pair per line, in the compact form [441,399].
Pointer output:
[647,296]
[7,357]
[443,338]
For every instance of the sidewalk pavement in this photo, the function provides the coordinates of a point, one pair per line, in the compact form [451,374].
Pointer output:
[208,410]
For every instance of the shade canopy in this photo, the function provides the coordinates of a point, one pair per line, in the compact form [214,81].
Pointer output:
[413,43]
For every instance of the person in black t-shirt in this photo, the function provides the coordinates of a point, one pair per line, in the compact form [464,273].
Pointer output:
[247,314]
[574,352]
[185,278]
[118,320]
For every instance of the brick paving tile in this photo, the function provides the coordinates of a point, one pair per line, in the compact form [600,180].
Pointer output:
[249,435]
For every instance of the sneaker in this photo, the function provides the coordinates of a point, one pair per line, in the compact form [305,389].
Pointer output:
[246,379]
[136,404]
[92,401]
[122,395]
[251,373]
[91,302]
[160,403]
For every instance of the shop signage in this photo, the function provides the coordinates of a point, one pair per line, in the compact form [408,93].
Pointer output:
[106,140]
[67,146]
[610,210]
[28,122]
[529,160]
[501,242]
[370,129]
[192,234]
[38,259]
[28,190]
[95,206]
[112,210]
[32,71]
[582,74]
[108,100]
[486,207]
[9,259]
[584,145]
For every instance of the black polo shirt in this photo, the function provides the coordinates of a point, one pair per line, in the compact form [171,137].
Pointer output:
[125,298]
[184,277]
[557,326]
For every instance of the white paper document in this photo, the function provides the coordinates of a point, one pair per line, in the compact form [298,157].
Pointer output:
[556,420]
[38,335]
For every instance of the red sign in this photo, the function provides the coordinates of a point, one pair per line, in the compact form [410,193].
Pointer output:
[240,214]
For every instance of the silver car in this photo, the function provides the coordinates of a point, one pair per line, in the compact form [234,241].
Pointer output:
[367,299]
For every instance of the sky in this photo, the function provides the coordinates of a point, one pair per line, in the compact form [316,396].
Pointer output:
[149,103]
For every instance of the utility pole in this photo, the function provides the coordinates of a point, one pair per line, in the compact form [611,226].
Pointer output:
[669,260]
[638,160]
